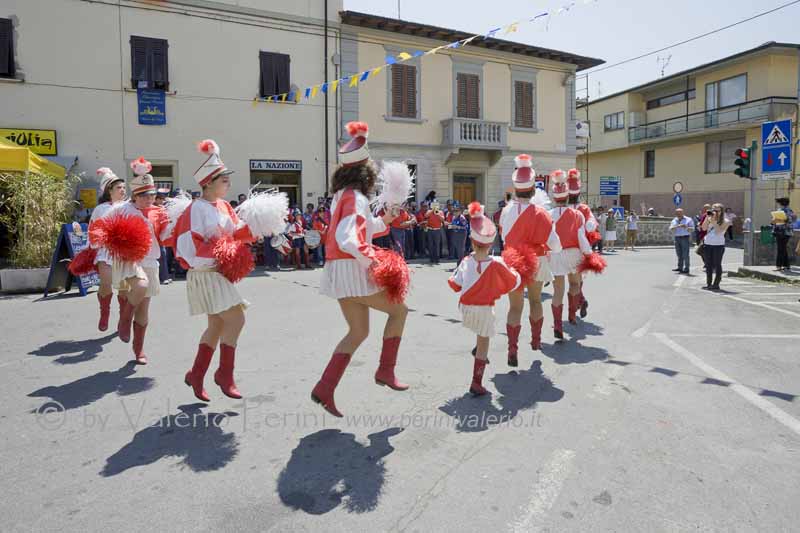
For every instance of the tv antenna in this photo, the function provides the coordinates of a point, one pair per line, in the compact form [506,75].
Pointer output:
[664,63]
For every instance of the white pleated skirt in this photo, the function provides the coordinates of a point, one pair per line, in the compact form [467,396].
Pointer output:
[478,318]
[346,278]
[103,257]
[150,274]
[611,235]
[210,293]
[545,273]
[124,270]
[566,261]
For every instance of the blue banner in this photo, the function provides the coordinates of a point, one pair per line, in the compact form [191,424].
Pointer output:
[152,107]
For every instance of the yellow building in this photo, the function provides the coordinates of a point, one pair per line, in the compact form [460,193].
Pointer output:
[460,116]
[686,127]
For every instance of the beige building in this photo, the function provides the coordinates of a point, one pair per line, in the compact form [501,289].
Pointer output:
[460,116]
[76,65]
[686,127]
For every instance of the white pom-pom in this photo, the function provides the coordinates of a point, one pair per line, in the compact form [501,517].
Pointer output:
[104,171]
[175,208]
[523,160]
[558,176]
[141,166]
[208,147]
[265,212]
[541,199]
[395,184]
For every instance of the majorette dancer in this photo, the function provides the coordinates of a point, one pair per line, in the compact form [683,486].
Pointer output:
[212,242]
[357,274]
[529,238]
[481,280]
[591,225]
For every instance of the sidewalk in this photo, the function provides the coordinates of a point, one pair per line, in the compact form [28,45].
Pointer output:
[768,273]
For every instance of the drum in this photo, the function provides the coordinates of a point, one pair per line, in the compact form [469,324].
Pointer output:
[281,244]
[313,239]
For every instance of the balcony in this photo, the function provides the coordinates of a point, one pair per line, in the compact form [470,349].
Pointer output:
[460,133]
[746,114]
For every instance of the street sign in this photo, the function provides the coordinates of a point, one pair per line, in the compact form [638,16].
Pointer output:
[677,199]
[610,185]
[619,212]
[776,158]
[677,187]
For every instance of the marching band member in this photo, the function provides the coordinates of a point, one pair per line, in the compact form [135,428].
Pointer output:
[481,280]
[529,237]
[351,273]
[574,201]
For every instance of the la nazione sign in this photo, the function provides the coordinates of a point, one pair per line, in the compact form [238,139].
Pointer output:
[274,164]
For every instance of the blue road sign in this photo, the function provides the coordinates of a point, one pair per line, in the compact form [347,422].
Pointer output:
[677,199]
[776,153]
[609,186]
[619,212]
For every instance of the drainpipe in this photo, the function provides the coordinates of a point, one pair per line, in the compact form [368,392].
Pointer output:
[325,59]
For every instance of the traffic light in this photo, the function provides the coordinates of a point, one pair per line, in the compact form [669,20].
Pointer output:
[742,163]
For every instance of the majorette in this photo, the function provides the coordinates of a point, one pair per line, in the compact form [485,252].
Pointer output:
[574,188]
[481,280]
[357,274]
[529,238]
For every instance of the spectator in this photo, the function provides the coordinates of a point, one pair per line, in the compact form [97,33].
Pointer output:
[458,227]
[410,231]
[308,216]
[435,221]
[82,214]
[420,230]
[715,225]
[730,215]
[319,224]
[241,199]
[682,227]
[700,233]
[398,230]
[297,235]
[601,217]
[782,223]
[430,198]
[234,204]
[498,243]
[631,230]
[611,231]
[652,212]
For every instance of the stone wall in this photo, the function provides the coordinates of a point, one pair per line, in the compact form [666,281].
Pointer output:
[765,253]
[653,231]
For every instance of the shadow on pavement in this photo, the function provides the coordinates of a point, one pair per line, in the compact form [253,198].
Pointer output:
[198,437]
[88,390]
[330,468]
[583,330]
[572,353]
[85,350]
[520,390]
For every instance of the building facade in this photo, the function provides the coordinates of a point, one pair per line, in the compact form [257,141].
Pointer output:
[685,128]
[102,76]
[459,117]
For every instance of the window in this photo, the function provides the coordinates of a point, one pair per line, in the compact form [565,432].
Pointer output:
[7,67]
[650,164]
[672,99]
[523,104]
[149,63]
[274,74]
[720,155]
[404,91]
[615,121]
[724,93]
[469,95]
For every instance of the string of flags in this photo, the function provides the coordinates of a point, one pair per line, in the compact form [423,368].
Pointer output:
[309,93]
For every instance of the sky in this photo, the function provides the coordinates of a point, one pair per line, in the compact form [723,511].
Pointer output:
[612,30]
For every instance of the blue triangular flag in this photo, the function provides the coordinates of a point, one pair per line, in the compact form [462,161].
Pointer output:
[364,76]
[390,60]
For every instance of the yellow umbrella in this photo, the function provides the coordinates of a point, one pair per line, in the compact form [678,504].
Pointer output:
[15,158]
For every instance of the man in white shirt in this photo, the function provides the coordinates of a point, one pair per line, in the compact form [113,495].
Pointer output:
[682,226]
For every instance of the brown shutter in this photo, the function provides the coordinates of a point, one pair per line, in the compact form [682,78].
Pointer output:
[468,95]
[139,71]
[404,91]
[397,90]
[410,90]
[523,104]
[7,67]
[461,82]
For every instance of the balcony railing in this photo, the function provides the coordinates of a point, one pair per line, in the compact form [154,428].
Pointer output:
[746,113]
[469,133]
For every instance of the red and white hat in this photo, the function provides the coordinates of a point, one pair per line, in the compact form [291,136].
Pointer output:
[523,177]
[559,185]
[355,151]
[142,182]
[213,167]
[107,177]
[482,229]
[574,181]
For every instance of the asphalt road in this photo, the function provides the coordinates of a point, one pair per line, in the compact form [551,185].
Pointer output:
[668,409]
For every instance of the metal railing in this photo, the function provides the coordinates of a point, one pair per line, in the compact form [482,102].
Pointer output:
[470,133]
[748,112]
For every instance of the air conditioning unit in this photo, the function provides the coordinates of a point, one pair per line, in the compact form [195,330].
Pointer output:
[636,119]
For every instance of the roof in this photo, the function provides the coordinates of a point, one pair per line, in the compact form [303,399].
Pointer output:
[419,29]
[672,77]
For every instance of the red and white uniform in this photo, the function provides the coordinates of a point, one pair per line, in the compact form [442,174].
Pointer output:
[571,229]
[195,234]
[99,212]
[481,284]
[526,224]
[147,268]
[590,220]
[348,249]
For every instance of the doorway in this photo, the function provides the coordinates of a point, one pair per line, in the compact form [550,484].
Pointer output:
[288,182]
[465,189]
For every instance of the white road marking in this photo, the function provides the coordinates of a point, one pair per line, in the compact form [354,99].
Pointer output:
[734,335]
[545,492]
[770,293]
[765,405]
[780,303]
[757,304]
[642,331]
[679,282]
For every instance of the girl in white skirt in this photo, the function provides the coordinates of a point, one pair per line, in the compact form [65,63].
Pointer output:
[481,280]
[112,192]
[349,254]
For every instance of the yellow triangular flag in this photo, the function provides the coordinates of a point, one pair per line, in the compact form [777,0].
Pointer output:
[334,85]
[375,72]
[314,91]
[512,28]
[269,99]
[297,95]
[353,80]
[403,56]
[429,52]
[283,97]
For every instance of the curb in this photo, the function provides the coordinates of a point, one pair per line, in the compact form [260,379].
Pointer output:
[745,272]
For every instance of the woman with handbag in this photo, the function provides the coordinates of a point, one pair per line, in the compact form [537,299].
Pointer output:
[715,226]
[782,221]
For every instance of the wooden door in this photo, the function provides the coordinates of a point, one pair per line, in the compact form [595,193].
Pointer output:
[464,190]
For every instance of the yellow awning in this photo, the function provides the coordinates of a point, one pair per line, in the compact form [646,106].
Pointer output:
[15,158]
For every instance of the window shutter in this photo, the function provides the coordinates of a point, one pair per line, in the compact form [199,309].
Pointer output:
[283,71]
[410,91]
[404,91]
[267,78]
[397,90]
[461,82]
[139,71]
[159,64]
[468,95]
[523,104]
[7,67]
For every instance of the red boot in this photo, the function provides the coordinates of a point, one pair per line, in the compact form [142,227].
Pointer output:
[194,377]
[105,310]
[513,343]
[385,374]
[138,343]
[574,305]
[536,333]
[224,374]
[477,377]
[558,325]
[323,391]
[125,321]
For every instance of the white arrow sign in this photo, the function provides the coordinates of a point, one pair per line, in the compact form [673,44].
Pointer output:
[782,159]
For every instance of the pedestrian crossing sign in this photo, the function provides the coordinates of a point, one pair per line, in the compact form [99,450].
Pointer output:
[776,153]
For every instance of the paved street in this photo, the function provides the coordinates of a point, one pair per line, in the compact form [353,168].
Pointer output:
[668,409]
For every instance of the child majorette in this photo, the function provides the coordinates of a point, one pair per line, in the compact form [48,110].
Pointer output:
[357,274]
[482,280]
[212,242]
[529,238]
[591,224]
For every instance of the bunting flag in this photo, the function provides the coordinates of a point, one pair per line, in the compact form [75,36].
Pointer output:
[354,80]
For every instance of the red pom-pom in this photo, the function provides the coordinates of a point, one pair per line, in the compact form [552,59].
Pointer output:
[356,129]
[126,237]
[234,259]
[574,173]
[475,209]
[208,147]
[594,236]
[83,263]
[524,260]
[390,272]
[593,262]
